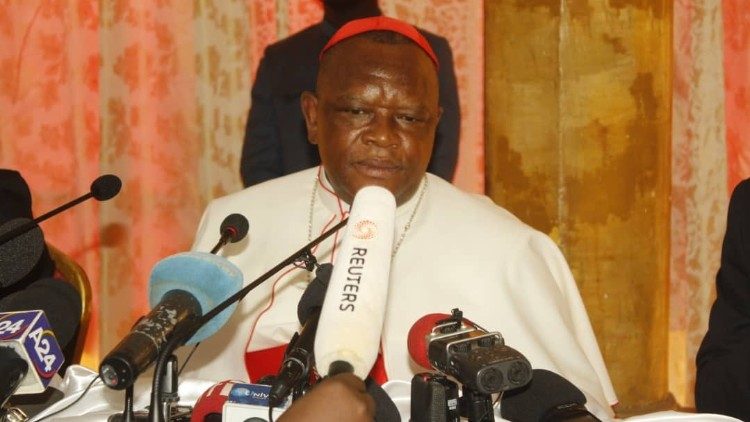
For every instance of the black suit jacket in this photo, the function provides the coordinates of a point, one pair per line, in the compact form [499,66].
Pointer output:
[723,361]
[276,138]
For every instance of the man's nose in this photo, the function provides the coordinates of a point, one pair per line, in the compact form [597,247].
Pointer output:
[382,131]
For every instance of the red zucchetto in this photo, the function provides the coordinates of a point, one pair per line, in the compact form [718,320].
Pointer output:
[380,23]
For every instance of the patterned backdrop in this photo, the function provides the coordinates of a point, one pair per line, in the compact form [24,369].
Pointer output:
[157,92]
[710,154]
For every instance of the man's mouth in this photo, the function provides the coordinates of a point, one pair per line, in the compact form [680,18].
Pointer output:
[377,169]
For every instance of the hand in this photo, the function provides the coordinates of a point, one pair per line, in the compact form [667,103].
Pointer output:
[338,398]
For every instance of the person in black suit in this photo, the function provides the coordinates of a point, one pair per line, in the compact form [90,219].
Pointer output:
[275,137]
[723,362]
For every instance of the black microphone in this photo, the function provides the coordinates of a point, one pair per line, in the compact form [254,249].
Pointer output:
[299,358]
[547,398]
[103,188]
[23,330]
[13,369]
[181,289]
[20,255]
[233,229]
[59,301]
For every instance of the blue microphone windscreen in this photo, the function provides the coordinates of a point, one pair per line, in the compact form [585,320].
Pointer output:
[210,278]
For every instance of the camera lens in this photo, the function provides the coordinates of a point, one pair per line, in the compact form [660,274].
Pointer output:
[491,379]
[518,373]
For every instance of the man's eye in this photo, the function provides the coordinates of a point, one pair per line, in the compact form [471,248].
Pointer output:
[355,111]
[409,118]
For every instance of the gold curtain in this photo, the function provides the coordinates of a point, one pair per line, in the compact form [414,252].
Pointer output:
[578,140]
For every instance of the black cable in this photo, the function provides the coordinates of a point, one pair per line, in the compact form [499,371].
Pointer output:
[492,408]
[270,414]
[86,390]
[187,359]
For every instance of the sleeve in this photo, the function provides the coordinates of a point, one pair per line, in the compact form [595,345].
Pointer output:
[723,367]
[445,150]
[261,150]
[580,325]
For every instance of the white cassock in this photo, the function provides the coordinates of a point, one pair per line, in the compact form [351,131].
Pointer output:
[460,251]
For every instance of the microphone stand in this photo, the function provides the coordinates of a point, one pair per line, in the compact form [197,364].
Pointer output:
[184,331]
[475,406]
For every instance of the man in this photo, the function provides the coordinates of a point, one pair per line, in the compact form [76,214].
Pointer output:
[373,117]
[275,138]
[722,383]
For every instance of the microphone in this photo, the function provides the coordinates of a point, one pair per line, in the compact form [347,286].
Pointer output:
[208,407]
[14,369]
[57,298]
[478,359]
[296,365]
[103,188]
[19,256]
[233,229]
[351,318]
[548,398]
[235,401]
[34,324]
[27,341]
[181,288]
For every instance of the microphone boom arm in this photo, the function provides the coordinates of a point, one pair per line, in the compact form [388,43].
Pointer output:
[23,228]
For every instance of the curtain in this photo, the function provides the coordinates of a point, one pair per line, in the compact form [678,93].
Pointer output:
[50,118]
[710,155]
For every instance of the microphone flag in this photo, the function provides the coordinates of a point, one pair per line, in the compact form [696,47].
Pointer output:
[30,335]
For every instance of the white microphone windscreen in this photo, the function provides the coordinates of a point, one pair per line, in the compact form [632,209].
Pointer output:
[351,319]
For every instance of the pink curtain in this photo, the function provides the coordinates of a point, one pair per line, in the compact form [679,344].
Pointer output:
[710,154]
[50,117]
[736,42]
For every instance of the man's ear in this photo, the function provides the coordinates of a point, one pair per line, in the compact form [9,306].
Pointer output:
[309,104]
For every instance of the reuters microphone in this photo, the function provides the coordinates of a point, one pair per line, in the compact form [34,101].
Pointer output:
[351,319]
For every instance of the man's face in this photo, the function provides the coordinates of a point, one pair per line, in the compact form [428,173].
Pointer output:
[374,116]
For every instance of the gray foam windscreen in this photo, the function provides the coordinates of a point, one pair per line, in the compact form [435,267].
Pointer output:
[19,255]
